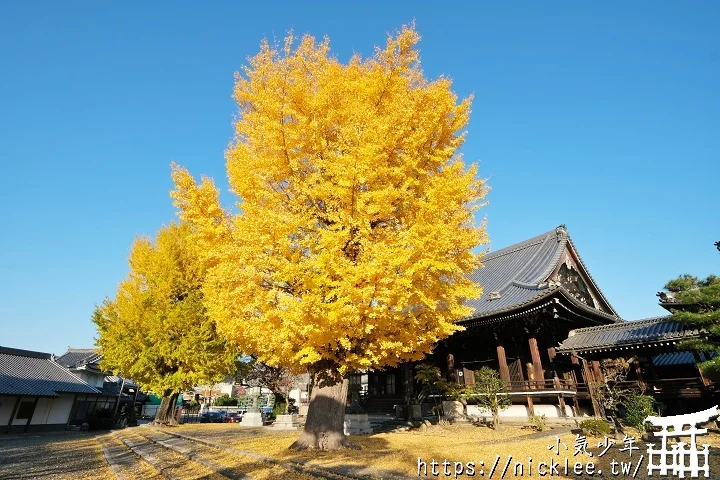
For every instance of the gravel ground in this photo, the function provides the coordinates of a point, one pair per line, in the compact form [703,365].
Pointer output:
[62,457]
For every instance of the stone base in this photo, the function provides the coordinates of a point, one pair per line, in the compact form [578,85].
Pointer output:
[252,419]
[453,409]
[357,424]
[415,412]
[286,422]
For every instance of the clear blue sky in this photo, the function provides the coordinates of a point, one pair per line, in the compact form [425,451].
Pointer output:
[600,115]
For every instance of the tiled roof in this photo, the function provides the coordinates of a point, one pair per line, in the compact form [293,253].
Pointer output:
[118,380]
[517,275]
[23,372]
[608,337]
[75,357]
[678,358]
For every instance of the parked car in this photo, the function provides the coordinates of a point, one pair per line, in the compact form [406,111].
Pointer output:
[232,417]
[212,417]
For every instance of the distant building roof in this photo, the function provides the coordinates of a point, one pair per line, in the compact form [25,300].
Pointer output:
[23,372]
[76,357]
[517,276]
[647,332]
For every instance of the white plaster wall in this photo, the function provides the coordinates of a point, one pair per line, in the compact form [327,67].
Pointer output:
[550,411]
[515,411]
[225,388]
[60,409]
[295,394]
[94,379]
[6,408]
[42,410]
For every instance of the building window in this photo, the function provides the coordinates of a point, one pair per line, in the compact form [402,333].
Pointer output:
[390,384]
[25,410]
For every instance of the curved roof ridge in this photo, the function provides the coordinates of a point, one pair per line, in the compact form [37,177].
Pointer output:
[563,241]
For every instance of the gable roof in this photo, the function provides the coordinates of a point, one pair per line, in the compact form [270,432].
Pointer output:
[647,332]
[76,357]
[517,276]
[23,372]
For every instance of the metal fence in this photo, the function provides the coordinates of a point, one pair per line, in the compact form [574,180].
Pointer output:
[190,414]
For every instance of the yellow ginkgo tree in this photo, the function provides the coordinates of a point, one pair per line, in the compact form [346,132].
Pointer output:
[356,227]
[156,330]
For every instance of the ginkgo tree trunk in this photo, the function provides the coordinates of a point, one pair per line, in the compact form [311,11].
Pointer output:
[353,245]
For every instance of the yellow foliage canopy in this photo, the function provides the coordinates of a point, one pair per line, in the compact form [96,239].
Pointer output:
[354,239]
[156,330]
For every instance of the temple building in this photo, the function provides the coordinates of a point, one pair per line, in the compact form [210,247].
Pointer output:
[544,324]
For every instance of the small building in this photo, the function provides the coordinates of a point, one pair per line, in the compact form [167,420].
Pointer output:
[85,363]
[37,393]
[657,366]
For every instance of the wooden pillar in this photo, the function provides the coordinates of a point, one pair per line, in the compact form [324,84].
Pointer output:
[407,380]
[573,372]
[12,415]
[32,414]
[561,405]
[599,377]
[575,407]
[698,360]
[650,366]
[452,375]
[590,379]
[531,406]
[537,364]
[638,373]
[502,362]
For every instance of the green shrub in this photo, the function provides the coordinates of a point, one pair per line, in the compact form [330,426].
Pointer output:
[278,409]
[224,400]
[637,408]
[537,422]
[595,427]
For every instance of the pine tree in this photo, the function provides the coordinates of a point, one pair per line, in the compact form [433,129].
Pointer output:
[696,303]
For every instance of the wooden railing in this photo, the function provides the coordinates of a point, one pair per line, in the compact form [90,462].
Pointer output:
[670,387]
[550,384]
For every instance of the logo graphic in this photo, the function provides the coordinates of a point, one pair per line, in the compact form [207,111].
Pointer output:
[682,460]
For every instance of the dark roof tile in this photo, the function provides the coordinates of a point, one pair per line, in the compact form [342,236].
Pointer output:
[656,329]
[36,374]
[517,275]
[75,357]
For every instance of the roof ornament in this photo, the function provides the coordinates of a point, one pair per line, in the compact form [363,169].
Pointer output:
[561,231]
[494,296]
